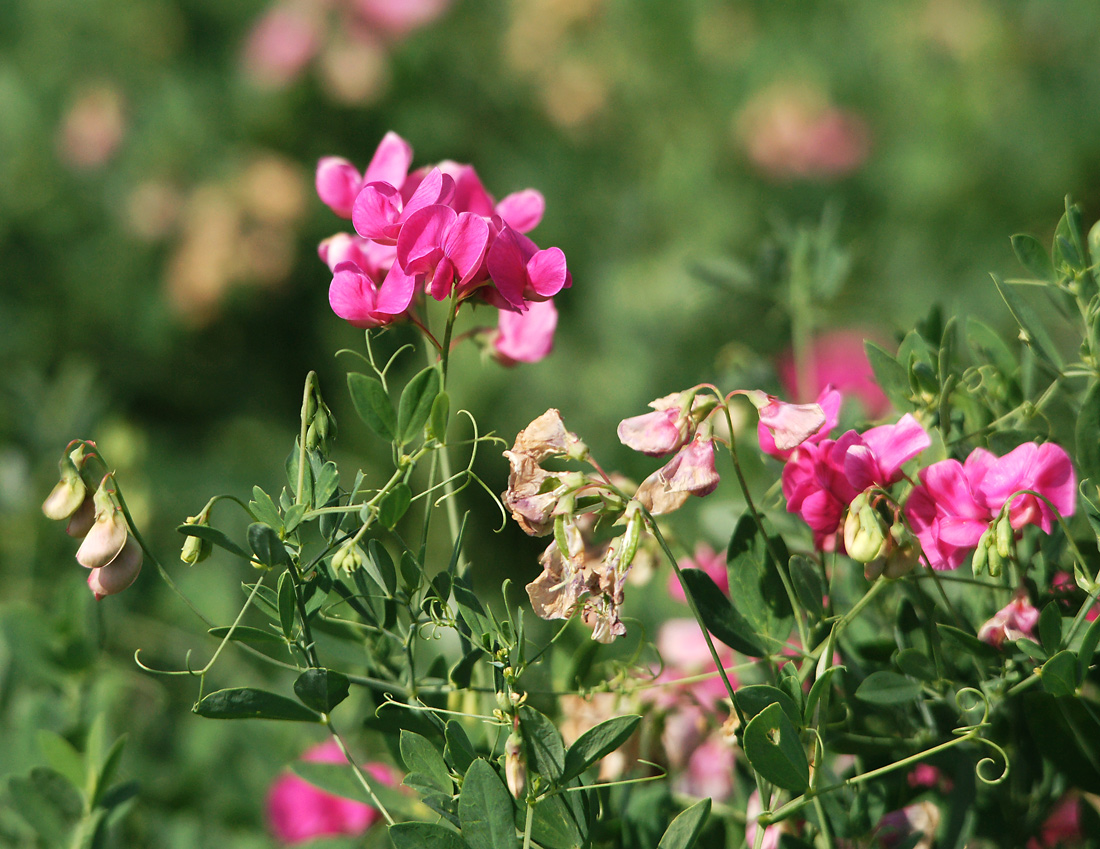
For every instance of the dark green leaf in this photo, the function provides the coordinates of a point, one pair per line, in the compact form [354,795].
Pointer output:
[394,505]
[470,609]
[544,744]
[1036,334]
[245,634]
[916,663]
[684,831]
[753,698]
[817,691]
[293,517]
[118,794]
[61,755]
[380,567]
[322,689]
[1088,648]
[756,587]
[48,801]
[416,404]
[459,751]
[422,758]
[888,688]
[437,421]
[1031,648]
[891,375]
[1050,628]
[597,742]
[264,509]
[719,615]
[373,405]
[1066,732]
[1059,674]
[558,823]
[774,750]
[266,545]
[411,573]
[986,344]
[1034,257]
[249,703]
[423,835]
[463,670]
[214,536]
[288,607]
[808,585]
[108,769]
[328,481]
[1087,435]
[967,641]
[485,809]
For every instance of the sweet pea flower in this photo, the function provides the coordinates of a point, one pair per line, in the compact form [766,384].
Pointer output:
[108,534]
[836,360]
[709,771]
[521,271]
[1062,827]
[381,209]
[119,573]
[356,298]
[525,337]
[373,259]
[923,818]
[690,472]
[442,249]
[1014,621]
[707,560]
[816,487]
[1046,469]
[876,459]
[828,401]
[522,211]
[789,425]
[339,183]
[298,812]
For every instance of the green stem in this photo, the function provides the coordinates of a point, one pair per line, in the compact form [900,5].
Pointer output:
[359,773]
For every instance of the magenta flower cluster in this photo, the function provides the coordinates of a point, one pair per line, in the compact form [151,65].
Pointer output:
[437,232]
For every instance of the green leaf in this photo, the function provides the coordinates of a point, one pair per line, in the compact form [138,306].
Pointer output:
[684,831]
[544,744]
[328,481]
[287,605]
[756,587]
[1050,628]
[719,616]
[462,671]
[245,634]
[263,508]
[440,415]
[1087,435]
[266,545]
[1059,674]
[423,835]
[48,802]
[108,769]
[1034,257]
[394,505]
[1031,648]
[250,703]
[459,751]
[411,573]
[1087,649]
[752,699]
[373,405]
[967,641]
[774,750]
[916,663]
[380,567]
[416,404]
[61,755]
[1066,732]
[888,688]
[597,742]
[215,537]
[808,585]
[890,375]
[470,609]
[423,759]
[322,689]
[819,688]
[985,343]
[1036,334]
[485,809]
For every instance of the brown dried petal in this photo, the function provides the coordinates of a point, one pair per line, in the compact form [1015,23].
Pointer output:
[546,437]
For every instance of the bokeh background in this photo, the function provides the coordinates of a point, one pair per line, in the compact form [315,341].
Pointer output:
[160,290]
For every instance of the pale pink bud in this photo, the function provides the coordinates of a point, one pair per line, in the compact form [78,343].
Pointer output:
[789,424]
[515,766]
[108,534]
[117,575]
[690,472]
[68,493]
[656,434]
[82,520]
[1016,620]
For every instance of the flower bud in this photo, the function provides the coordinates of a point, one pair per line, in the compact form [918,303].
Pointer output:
[82,520]
[108,534]
[349,558]
[515,766]
[68,493]
[864,538]
[320,425]
[196,549]
[1006,537]
[118,574]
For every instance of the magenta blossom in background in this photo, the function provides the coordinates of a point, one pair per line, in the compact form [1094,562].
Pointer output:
[836,359]
[708,560]
[298,812]
[772,833]
[1014,621]
[1062,827]
[526,337]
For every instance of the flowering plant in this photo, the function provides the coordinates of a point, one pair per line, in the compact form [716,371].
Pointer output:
[891,620]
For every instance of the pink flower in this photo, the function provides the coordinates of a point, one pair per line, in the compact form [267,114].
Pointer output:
[356,298]
[948,511]
[783,427]
[119,573]
[926,775]
[658,433]
[772,833]
[837,359]
[690,472]
[373,259]
[1014,621]
[709,771]
[298,812]
[398,18]
[521,271]
[281,43]
[922,818]
[876,459]
[1062,827]
[338,183]
[442,249]
[381,208]
[526,337]
[1046,469]
[816,487]
[521,211]
[709,561]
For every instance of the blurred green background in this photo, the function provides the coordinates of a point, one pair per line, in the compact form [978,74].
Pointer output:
[161,292]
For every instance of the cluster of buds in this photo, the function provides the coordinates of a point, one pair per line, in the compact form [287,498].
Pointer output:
[876,535]
[108,549]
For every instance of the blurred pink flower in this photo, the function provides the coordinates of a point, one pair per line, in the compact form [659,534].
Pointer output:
[837,359]
[1016,620]
[398,18]
[709,771]
[93,127]
[1062,827]
[922,818]
[772,833]
[282,42]
[926,775]
[526,337]
[298,812]
[709,561]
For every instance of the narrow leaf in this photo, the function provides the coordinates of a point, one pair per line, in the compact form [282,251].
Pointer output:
[891,375]
[544,744]
[684,831]
[287,605]
[394,505]
[1050,628]
[373,405]
[1059,674]
[380,567]
[416,404]
[1036,334]
[322,689]
[1034,257]
[250,703]
[597,742]
[808,585]
[774,750]
[1087,435]
[245,634]
[437,421]
[1087,649]
[719,616]
[887,688]
[266,545]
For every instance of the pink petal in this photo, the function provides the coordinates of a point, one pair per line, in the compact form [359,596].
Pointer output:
[895,445]
[508,266]
[470,194]
[546,272]
[436,187]
[377,207]
[419,247]
[391,161]
[527,337]
[337,182]
[522,211]
[396,292]
[352,296]
[465,244]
